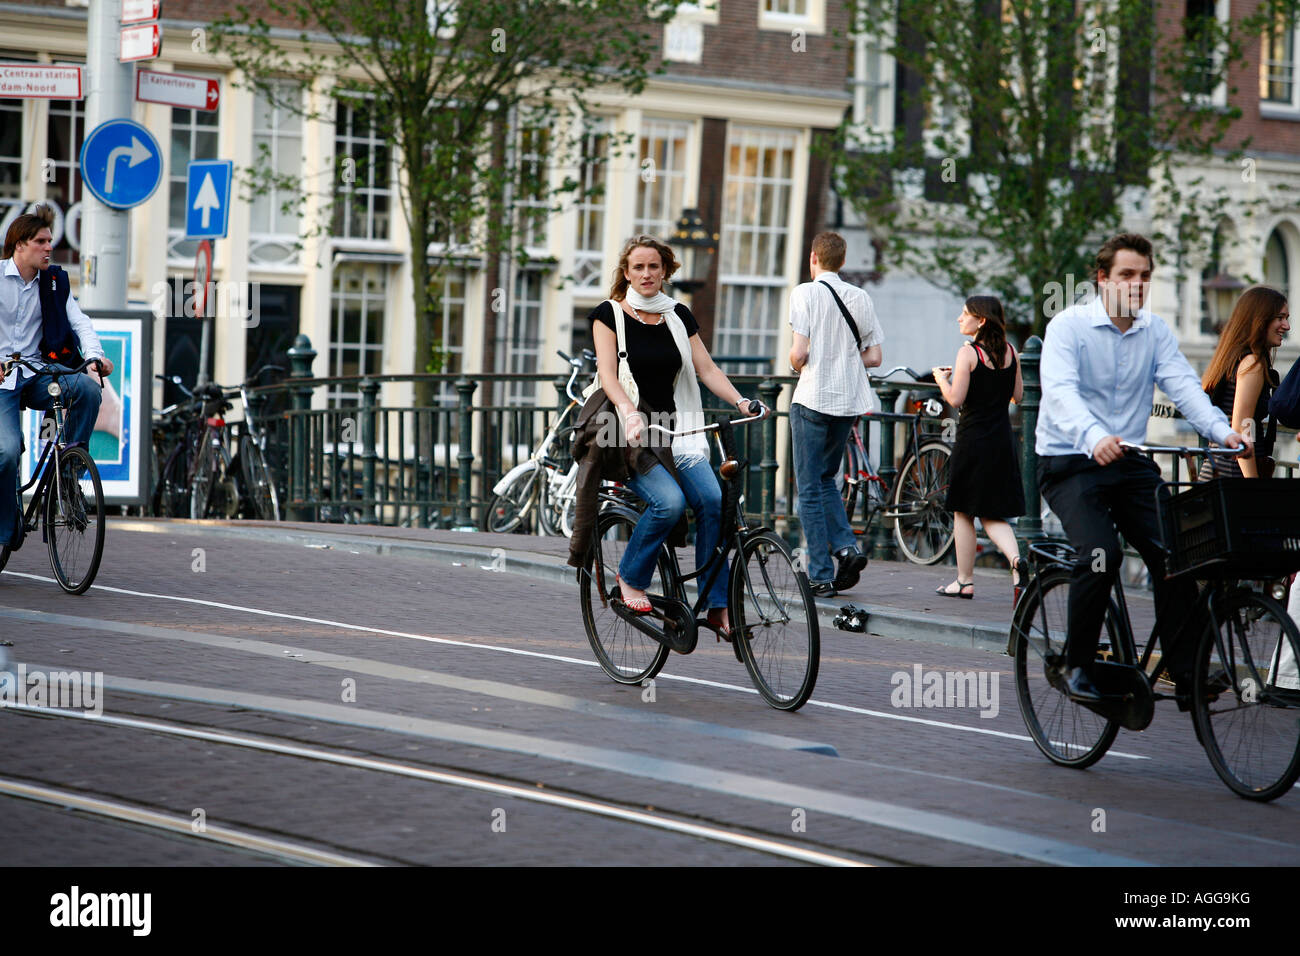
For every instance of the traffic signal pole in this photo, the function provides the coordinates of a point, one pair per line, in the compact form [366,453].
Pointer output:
[109,95]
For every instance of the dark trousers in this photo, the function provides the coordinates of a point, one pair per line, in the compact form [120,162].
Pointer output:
[1093,502]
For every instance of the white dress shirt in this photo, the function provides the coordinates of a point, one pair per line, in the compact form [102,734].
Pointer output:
[834,380]
[1098,381]
[20,322]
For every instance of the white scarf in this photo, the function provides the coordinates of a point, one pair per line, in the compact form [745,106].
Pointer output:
[687,449]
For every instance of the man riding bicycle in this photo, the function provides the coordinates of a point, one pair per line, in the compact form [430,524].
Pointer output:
[41,322]
[1101,361]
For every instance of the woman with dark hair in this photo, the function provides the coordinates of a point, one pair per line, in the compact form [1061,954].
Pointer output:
[984,471]
[668,362]
[1241,378]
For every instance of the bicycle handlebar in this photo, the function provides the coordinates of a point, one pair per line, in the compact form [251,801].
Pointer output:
[763,412]
[898,368]
[54,371]
[1182,450]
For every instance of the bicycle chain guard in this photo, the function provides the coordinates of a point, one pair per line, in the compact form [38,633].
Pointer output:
[678,631]
[1127,697]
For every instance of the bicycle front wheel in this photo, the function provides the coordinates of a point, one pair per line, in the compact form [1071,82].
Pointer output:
[1066,732]
[508,510]
[74,519]
[922,523]
[626,654]
[258,482]
[775,621]
[1246,696]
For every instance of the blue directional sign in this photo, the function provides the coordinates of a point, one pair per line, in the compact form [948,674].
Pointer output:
[207,199]
[121,163]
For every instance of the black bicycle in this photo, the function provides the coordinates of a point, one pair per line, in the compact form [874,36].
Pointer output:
[68,492]
[1230,534]
[773,616]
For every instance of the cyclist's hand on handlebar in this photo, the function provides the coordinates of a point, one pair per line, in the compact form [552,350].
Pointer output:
[634,428]
[104,366]
[751,407]
[1236,441]
[1108,450]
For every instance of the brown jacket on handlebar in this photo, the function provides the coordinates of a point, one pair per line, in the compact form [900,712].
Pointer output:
[603,454]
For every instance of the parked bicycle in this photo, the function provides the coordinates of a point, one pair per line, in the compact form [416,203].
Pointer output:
[539,483]
[68,494]
[923,526]
[199,477]
[774,619]
[1246,683]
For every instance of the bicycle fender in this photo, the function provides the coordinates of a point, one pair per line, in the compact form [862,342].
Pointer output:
[509,477]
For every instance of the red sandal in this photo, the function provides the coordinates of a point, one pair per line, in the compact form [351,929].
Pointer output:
[636,605]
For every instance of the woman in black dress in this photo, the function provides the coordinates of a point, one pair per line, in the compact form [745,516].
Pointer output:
[1240,379]
[984,471]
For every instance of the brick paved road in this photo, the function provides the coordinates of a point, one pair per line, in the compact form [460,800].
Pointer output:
[445,688]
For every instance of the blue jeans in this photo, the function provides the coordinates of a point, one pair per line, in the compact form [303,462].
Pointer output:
[818,453]
[81,398]
[665,503]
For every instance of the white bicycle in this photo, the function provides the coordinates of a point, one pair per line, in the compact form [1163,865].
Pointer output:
[539,483]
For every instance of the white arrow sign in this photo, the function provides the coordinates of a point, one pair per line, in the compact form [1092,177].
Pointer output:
[136,153]
[139,11]
[177,89]
[139,43]
[207,199]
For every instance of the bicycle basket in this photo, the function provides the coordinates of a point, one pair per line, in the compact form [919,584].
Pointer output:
[1232,527]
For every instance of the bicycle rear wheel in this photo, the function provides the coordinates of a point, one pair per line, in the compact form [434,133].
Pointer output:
[74,519]
[258,483]
[922,523]
[1246,696]
[1066,732]
[624,653]
[854,478]
[508,511]
[774,620]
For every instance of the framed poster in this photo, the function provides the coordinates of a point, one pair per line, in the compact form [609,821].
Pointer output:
[120,443]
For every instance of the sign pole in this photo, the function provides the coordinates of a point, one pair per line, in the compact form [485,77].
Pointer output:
[109,94]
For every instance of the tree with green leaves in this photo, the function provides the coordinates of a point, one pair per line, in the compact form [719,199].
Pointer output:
[482,102]
[1029,129]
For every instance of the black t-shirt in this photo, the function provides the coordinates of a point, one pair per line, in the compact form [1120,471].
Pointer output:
[651,353]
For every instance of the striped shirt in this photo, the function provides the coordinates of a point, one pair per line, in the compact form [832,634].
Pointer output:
[834,380]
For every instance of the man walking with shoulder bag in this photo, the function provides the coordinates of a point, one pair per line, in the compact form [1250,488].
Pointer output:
[837,337]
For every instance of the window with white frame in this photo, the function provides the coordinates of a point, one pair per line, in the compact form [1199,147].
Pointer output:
[11,149]
[532,146]
[1201,29]
[449,331]
[808,15]
[872,79]
[358,301]
[65,130]
[1278,86]
[363,172]
[194,136]
[1277,268]
[758,189]
[662,176]
[277,145]
[520,352]
[589,227]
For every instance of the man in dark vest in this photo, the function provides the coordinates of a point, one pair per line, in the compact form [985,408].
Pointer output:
[41,321]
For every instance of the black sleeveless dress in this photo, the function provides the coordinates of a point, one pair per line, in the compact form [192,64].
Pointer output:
[984,472]
[1224,396]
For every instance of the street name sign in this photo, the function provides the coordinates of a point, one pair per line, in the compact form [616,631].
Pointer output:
[139,11]
[177,89]
[139,43]
[207,198]
[121,163]
[38,81]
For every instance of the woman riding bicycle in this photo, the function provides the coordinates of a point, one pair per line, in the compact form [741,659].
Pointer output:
[667,360]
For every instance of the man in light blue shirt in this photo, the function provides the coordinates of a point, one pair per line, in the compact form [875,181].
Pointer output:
[1101,361]
[41,322]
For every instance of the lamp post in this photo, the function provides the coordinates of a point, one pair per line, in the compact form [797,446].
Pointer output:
[697,247]
[1220,296]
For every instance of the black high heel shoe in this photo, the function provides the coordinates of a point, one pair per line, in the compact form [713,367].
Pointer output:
[1016,579]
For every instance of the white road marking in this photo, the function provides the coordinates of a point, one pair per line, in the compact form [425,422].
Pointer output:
[553,657]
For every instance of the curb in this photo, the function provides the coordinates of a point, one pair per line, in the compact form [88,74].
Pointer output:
[882,620]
